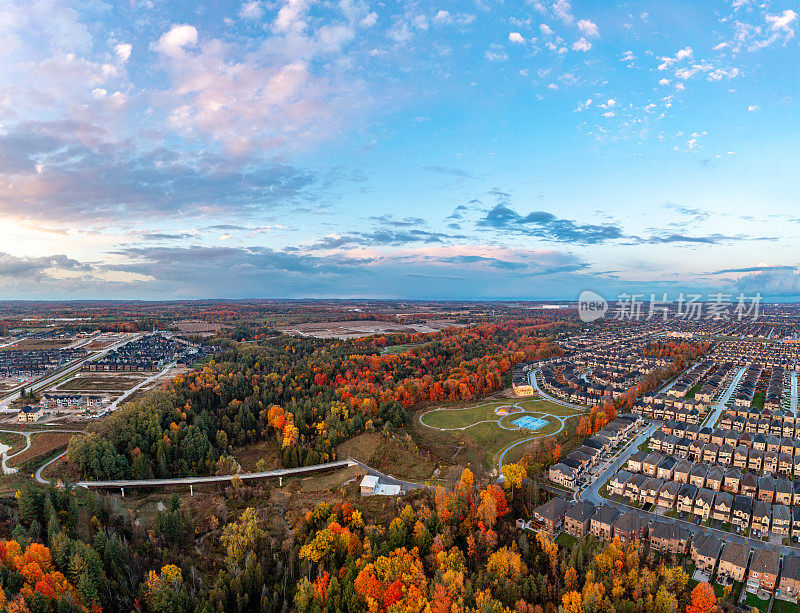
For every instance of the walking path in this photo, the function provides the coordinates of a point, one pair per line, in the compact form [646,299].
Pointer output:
[711,422]
[9,470]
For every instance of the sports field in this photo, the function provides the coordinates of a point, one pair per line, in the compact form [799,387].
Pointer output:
[492,427]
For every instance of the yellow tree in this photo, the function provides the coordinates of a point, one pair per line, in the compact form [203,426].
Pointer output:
[513,476]
[572,602]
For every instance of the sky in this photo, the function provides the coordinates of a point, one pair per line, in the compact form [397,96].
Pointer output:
[425,150]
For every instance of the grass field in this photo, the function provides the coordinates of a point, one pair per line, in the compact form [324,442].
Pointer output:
[15,441]
[476,428]
[754,601]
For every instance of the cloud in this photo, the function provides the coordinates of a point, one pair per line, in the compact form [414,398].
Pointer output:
[516,37]
[175,41]
[123,51]
[35,267]
[449,171]
[581,45]
[251,10]
[562,9]
[782,23]
[782,282]
[752,269]
[546,225]
[588,28]
[753,108]
[69,172]
[545,29]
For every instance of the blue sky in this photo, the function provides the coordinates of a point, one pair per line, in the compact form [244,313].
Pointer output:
[413,149]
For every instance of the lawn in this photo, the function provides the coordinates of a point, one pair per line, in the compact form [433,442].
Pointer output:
[459,416]
[754,601]
[112,383]
[784,606]
[15,441]
[566,540]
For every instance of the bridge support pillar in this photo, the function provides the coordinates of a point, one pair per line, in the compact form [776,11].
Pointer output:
[280,481]
[123,491]
[191,490]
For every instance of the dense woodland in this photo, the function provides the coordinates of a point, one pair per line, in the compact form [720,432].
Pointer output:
[310,394]
[438,551]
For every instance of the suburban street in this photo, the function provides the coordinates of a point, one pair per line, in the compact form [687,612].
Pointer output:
[592,493]
[720,405]
[71,368]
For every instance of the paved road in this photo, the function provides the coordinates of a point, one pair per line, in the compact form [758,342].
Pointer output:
[27,435]
[72,367]
[592,494]
[535,385]
[720,405]
[113,406]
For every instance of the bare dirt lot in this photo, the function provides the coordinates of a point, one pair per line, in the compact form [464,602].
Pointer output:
[354,329]
[32,343]
[112,382]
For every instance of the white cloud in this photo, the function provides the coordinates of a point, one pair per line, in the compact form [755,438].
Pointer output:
[563,10]
[682,54]
[663,82]
[291,17]
[781,23]
[173,42]
[442,17]
[546,29]
[251,10]
[753,108]
[123,51]
[516,37]
[370,20]
[581,45]
[628,56]
[588,28]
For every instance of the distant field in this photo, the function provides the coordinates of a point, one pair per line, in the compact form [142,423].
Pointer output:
[110,383]
[30,344]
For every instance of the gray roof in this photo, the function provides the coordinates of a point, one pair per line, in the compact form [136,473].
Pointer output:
[735,554]
[707,545]
[791,566]
[581,511]
[552,509]
[606,515]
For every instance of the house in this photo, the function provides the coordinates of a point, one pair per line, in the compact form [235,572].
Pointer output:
[697,476]
[749,485]
[714,478]
[649,491]
[668,494]
[742,511]
[705,551]
[725,455]
[723,506]
[770,463]
[795,523]
[633,488]
[754,460]
[789,586]
[733,562]
[763,570]
[766,489]
[703,503]
[686,496]
[650,463]
[617,483]
[666,467]
[732,478]
[781,520]
[371,485]
[563,475]
[634,464]
[551,513]
[668,538]
[601,523]
[29,413]
[576,520]
[762,515]
[629,527]
[710,452]
[783,491]
[681,471]
[740,457]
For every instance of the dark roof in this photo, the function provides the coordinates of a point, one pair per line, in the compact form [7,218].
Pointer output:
[552,509]
[605,515]
[581,511]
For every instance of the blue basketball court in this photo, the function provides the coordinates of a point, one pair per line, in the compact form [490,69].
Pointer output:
[530,423]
